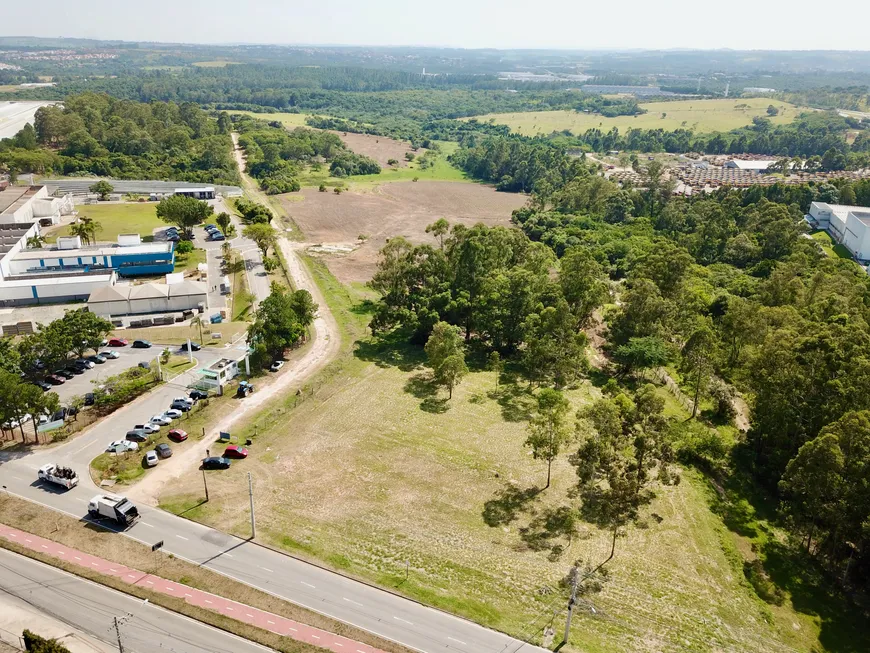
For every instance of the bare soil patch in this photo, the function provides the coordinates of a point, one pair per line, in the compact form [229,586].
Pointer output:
[379,148]
[393,209]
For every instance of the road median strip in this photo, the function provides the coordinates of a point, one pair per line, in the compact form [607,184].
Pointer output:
[255,617]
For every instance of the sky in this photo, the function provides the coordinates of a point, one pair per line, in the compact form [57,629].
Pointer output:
[562,24]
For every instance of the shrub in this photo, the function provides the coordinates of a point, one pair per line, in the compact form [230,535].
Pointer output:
[184,247]
[37,644]
[765,588]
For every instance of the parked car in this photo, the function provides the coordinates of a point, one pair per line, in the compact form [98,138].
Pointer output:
[137,435]
[151,459]
[117,342]
[75,369]
[217,235]
[64,374]
[183,406]
[109,353]
[161,420]
[210,226]
[196,395]
[277,365]
[85,362]
[145,365]
[80,366]
[148,428]
[122,446]
[45,386]
[188,400]
[55,379]
[177,435]
[194,346]
[216,462]
[97,358]
[89,399]
[172,413]
[173,238]
[141,344]
[163,450]
[235,451]
[60,414]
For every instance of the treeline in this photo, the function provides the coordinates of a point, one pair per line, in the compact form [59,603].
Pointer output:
[812,134]
[274,154]
[95,134]
[726,287]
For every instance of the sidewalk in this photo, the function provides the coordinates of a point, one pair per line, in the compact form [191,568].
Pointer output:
[238,611]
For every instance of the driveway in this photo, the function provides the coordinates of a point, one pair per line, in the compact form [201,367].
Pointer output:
[82,383]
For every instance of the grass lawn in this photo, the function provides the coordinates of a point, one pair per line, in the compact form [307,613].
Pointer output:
[214,64]
[177,365]
[289,120]
[177,335]
[371,468]
[138,217]
[830,247]
[242,298]
[186,262]
[699,115]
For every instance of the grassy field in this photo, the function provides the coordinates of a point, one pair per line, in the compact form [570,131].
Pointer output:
[139,217]
[289,120]
[186,262]
[176,335]
[447,488]
[214,64]
[699,115]
[831,248]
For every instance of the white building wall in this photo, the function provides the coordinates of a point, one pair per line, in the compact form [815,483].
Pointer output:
[7,266]
[857,237]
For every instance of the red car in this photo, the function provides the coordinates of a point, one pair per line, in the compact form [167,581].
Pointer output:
[117,342]
[234,451]
[177,435]
[55,380]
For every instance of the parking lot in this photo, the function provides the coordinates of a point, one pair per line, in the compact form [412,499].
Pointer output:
[128,357]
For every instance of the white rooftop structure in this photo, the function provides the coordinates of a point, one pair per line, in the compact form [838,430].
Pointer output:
[848,225]
[757,166]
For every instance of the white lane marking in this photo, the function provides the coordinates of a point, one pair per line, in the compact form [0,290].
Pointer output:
[113,570]
[229,608]
[207,601]
[458,641]
[250,615]
[44,546]
[169,588]
[27,539]
[354,602]
[62,553]
[181,537]
[338,644]
[269,570]
[144,524]
[270,622]
[189,595]
[12,535]
[87,446]
[76,557]
[229,555]
[307,584]
[149,582]
[293,629]
[404,620]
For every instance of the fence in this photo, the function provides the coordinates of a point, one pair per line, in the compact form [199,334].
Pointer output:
[674,389]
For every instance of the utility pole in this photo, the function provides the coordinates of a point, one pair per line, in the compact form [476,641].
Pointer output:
[251,495]
[205,483]
[118,633]
[571,601]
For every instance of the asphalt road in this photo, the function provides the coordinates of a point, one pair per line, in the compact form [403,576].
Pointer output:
[92,608]
[128,357]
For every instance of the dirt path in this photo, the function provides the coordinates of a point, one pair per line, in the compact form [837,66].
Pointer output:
[325,343]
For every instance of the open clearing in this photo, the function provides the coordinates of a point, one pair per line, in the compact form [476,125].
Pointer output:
[699,115]
[391,209]
[115,218]
[289,120]
[373,470]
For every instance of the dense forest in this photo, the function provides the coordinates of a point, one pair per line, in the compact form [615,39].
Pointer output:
[724,289]
[96,134]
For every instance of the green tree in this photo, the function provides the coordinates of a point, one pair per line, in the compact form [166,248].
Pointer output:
[35,242]
[549,430]
[223,221]
[444,342]
[642,353]
[496,365]
[263,235]
[698,356]
[184,212]
[439,229]
[84,330]
[450,372]
[10,359]
[33,643]
[772,110]
[583,285]
[102,188]
[555,351]
[277,324]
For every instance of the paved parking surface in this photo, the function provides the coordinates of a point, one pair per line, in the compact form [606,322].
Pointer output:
[82,383]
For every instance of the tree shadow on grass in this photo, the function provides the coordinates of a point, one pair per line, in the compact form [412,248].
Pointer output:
[423,387]
[844,625]
[517,404]
[390,351]
[552,525]
[507,504]
[364,307]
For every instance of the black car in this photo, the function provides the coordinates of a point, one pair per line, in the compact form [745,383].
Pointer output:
[75,369]
[89,399]
[196,395]
[81,365]
[141,344]
[173,238]
[43,385]
[183,406]
[64,373]
[163,450]
[193,347]
[215,462]
[137,435]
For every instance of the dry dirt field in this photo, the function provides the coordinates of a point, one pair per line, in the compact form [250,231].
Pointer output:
[393,209]
[379,148]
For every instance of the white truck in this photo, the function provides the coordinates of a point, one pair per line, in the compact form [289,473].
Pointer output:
[118,509]
[63,476]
